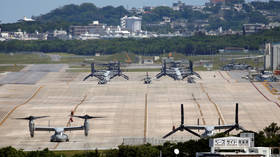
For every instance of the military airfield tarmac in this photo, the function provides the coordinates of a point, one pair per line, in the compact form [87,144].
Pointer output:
[131,108]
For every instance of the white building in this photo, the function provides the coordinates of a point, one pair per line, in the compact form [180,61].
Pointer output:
[235,146]
[25,19]
[132,24]
[272,56]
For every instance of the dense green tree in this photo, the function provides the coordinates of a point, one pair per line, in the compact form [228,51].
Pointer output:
[11,152]
[199,44]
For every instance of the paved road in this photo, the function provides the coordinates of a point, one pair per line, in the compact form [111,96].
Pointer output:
[123,104]
[30,74]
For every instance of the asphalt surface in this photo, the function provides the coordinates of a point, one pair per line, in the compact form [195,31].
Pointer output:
[122,103]
[31,74]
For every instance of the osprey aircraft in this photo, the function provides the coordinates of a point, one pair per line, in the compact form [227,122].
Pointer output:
[177,70]
[59,135]
[261,76]
[112,70]
[147,79]
[209,129]
[234,66]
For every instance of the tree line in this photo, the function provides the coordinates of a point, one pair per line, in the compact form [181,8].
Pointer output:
[84,14]
[268,137]
[195,45]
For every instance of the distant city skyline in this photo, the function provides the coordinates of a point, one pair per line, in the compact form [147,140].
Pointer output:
[13,10]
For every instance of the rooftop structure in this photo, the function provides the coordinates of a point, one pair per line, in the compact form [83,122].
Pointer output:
[25,19]
[253,28]
[178,5]
[94,28]
[132,24]
[235,146]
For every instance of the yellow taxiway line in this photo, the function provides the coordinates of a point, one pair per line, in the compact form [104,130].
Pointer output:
[200,111]
[17,106]
[74,110]
[216,106]
[146,117]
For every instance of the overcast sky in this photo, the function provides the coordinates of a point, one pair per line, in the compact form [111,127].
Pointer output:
[13,10]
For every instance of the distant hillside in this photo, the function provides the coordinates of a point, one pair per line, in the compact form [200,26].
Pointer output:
[84,14]
[271,5]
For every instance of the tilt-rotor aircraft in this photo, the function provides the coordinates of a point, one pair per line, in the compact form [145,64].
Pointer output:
[177,70]
[208,129]
[59,135]
[147,79]
[112,69]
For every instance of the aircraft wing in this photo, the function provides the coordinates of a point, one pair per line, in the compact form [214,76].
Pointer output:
[195,127]
[223,126]
[44,128]
[74,128]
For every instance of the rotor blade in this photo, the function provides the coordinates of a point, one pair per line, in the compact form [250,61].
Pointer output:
[229,130]
[182,114]
[159,75]
[124,76]
[40,117]
[31,117]
[172,132]
[241,128]
[196,74]
[236,113]
[192,132]
[90,75]
[87,117]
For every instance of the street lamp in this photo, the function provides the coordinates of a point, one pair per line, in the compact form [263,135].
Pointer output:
[176,151]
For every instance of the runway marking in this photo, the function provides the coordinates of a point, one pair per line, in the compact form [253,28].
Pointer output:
[17,106]
[223,77]
[200,111]
[216,106]
[76,107]
[146,117]
[230,76]
[271,90]
[74,110]
[264,95]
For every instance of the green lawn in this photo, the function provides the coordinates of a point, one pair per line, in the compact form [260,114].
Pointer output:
[84,61]
[10,68]
[22,58]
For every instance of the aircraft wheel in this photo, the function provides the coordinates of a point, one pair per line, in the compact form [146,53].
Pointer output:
[67,140]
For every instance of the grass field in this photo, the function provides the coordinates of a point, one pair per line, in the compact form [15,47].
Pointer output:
[84,61]
[14,68]
[22,58]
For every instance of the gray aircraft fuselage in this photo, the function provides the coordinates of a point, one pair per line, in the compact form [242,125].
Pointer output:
[59,136]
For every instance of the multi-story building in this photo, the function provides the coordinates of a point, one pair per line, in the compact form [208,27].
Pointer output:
[132,24]
[253,28]
[94,28]
[178,6]
[272,56]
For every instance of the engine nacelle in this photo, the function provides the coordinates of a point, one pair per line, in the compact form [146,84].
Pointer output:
[86,128]
[31,128]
